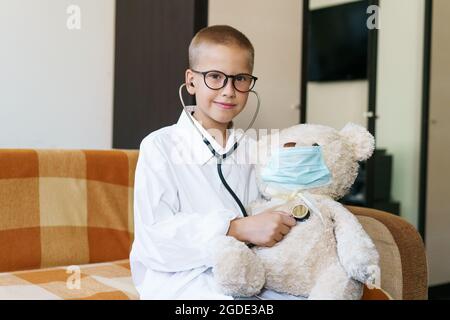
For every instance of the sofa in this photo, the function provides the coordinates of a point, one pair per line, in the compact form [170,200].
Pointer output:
[66,229]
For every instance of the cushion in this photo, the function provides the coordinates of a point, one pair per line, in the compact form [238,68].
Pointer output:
[61,207]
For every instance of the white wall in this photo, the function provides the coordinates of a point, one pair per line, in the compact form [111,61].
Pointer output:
[399,96]
[336,103]
[275,31]
[56,85]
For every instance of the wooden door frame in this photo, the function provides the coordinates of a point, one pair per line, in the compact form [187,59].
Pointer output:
[372,73]
[304,62]
[425,117]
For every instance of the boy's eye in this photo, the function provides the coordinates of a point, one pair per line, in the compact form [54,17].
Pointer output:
[215,76]
[242,77]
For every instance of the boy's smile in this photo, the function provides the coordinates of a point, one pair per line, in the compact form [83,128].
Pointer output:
[217,108]
[225,105]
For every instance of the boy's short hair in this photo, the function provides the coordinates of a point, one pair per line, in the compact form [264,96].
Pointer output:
[223,35]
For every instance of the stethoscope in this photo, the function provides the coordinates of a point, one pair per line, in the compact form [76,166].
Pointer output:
[221,157]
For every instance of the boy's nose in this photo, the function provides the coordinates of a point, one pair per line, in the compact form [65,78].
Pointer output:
[229,89]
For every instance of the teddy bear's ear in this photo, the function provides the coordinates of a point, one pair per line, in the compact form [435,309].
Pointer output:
[360,139]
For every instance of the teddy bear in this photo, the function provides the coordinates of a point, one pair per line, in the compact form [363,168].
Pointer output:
[327,254]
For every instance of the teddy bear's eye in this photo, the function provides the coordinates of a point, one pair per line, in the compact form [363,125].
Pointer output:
[315,145]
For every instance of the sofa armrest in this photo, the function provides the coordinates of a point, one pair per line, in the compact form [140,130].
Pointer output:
[402,253]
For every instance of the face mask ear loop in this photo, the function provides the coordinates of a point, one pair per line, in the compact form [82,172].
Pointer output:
[306,197]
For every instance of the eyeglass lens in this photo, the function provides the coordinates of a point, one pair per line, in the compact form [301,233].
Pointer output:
[217,80]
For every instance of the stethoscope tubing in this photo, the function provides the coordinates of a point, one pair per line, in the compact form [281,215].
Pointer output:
[222,157]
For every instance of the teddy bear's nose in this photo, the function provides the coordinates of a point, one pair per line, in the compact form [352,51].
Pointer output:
[315,145]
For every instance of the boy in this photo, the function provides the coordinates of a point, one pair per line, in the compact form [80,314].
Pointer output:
[180,203]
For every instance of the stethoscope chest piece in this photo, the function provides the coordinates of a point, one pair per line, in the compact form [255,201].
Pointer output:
[300,212]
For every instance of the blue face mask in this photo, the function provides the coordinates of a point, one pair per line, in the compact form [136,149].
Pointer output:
[297,168]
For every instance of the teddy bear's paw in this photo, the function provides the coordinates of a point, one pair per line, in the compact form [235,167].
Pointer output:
[237,270]
[360,263]
[222,247]
[368,274]
[372,275]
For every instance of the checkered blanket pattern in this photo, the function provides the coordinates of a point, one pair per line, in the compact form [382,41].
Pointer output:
[65,207]
[98,281]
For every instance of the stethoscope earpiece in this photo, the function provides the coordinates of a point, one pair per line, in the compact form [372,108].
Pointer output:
[192,121]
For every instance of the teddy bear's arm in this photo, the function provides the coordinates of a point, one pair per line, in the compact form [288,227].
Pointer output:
[356,250]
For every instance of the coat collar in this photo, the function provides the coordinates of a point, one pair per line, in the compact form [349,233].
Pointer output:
[193,144]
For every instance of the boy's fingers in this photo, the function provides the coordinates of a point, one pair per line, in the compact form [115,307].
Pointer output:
[286,218]
[279,237]
[283,213]
[289,220]
[284,229]
[271,244]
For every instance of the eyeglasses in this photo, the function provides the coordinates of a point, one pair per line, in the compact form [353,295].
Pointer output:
[216,80]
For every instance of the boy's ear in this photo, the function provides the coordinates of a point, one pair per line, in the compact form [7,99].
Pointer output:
[190,82]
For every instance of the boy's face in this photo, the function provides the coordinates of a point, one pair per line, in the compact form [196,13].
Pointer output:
[216,108]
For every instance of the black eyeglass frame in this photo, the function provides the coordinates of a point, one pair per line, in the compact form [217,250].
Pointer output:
[233,79]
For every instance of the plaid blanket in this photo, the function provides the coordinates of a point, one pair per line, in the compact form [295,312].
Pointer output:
[104,281]
[110,280]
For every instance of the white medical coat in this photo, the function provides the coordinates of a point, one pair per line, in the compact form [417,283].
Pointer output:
[180,205]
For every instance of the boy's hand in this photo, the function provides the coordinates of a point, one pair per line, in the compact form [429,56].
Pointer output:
[264,229]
